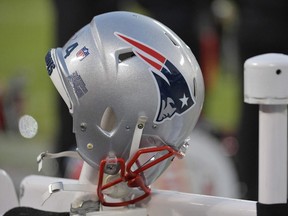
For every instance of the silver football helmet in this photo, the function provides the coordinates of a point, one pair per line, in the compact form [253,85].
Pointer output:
[135,91]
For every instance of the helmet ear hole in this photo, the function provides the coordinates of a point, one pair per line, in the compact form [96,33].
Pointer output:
[125,56]
[108,120]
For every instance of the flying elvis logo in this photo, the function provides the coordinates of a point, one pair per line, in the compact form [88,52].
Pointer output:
[175,94]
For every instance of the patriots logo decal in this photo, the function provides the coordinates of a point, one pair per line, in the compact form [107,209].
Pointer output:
[175,94]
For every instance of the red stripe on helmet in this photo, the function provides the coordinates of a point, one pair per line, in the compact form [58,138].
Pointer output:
[143,47]
[149,61]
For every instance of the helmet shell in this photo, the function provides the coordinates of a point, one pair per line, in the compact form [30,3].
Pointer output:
[132,66]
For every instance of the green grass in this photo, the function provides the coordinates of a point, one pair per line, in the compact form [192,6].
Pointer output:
[26,34]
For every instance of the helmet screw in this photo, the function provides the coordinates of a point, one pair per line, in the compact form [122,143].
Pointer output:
[140,126]
[83,126]
[90,146]
[154,126]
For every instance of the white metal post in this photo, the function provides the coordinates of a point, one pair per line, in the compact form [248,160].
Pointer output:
[265,83]
[272,154]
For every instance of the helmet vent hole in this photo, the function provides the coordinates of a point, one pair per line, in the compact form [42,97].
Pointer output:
[108,120]
[125,56]
[194,87]
[170,37]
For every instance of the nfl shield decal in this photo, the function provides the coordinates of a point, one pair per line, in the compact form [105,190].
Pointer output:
[82,53]
[175,94]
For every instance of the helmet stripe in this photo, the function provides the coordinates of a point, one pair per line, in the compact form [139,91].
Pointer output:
[142,47]
[150,61]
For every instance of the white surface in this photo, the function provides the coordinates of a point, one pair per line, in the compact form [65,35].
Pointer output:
[33,187]
[171,203]
[8,196]
[168,203]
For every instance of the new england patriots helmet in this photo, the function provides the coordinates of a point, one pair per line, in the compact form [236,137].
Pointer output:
[135,92]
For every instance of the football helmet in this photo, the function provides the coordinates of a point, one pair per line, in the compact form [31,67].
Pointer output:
[135,92]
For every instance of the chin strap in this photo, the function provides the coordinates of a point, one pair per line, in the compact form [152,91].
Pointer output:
[47,155]
[60,186]
[137,135]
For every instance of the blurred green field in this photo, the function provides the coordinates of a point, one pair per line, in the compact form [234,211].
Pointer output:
[26,34]
[222,103]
